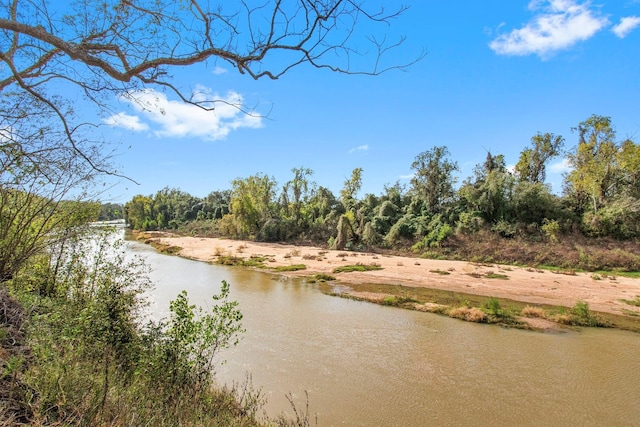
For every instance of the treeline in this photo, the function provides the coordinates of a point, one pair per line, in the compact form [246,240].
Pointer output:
[600,197]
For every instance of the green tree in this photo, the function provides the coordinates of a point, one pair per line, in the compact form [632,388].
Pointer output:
[629,163]
[296,194]
[252,202]
[490,194]
[350,189]
[433,180]
[137,212]
[593,174]
[532,163]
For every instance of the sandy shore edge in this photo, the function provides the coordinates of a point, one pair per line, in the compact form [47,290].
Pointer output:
[604,294]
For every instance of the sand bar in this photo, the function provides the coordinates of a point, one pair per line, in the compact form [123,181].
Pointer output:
[534,286]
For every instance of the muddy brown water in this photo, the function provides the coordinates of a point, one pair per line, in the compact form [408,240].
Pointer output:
[368,365]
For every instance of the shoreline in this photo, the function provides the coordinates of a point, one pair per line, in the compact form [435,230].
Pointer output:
[526,286]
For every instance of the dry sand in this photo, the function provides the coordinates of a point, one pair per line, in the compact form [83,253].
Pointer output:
[604,294]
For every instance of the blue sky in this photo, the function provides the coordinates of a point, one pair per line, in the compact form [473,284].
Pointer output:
[495,74]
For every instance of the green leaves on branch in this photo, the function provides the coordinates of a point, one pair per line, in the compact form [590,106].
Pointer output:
[191,338]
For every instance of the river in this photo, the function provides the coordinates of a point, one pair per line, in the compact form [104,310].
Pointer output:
[369,365]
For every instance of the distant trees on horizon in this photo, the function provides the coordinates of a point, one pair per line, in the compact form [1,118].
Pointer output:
[601,197]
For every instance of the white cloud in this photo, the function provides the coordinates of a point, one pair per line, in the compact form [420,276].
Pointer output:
[560,167]
[176,118]
[626,25]
[217,70]
[364,147]
[558,25]
[126,121]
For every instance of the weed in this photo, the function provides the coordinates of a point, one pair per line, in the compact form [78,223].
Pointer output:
[293,253]
[469,314]
[397,300]
[320,277]
[493,307]
[634,302]
[530,311]
[441,272]
[582,316]
[293,267]
[357,267]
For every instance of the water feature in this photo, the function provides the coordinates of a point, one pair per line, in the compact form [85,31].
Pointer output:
[366,365]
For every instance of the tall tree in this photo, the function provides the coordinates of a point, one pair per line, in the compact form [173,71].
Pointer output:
[433,180]
[350,189]
[593,163]
[532,163]
[251,203]
[296,192]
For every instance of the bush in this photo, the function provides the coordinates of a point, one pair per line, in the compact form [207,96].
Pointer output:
[93,362]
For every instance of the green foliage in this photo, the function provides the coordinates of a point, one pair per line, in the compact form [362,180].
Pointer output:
[532,203]
[110,212]
[251,203]
[490,195]
[433,178]
[496,276]
[620,219]
[469,222]
[273,230]
[531,166]
[93,361]
[550,228]
[493,307]
[593,174]
[601,200]
[345,231]
[406,227]
[505,229]
[184,347]
[438,232]
[350,189]
[292,267]
[356,267]
[582,316]
[635,302]
[370,236]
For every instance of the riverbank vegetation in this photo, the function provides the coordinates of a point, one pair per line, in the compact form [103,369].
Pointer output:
[78,347]
[499,214]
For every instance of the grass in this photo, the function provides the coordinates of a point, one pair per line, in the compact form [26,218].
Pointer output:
[440,272]
[165,248]
[635,302]
[293,267]
[320,278]
[253,261]
[396,301]
[492,275]
[356,267]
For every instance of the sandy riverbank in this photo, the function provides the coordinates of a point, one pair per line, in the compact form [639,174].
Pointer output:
[533,286]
